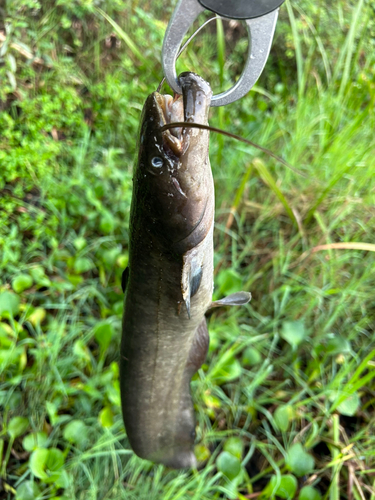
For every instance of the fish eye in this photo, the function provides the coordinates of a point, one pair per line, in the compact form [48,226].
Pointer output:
[157,162]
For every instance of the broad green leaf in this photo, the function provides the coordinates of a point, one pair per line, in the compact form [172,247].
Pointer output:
[211,401]
[22,282]
[80,242]
[283,415]
[229,465]
[202,453]
[13,401]
[76,432]
[299,461]
[234,446]
[293,332]
[5,341]
[229,281]
[82,265]
[63,480]
[9,304]
[350,405]
[107,223]
[115,369]
[39,276]
[37,316]
[285,488]
[17,426]
[55,461]
[122,261]
[81,351]
[338,345]
[28,490]
[103,333]
[46,464]
[226,373]
[35,440]
[118,308]
[52,408]
[5,330]
[309,493]
[106,417]
[109,257]
[113,393]
[251,357]
[10,356]
[37,463]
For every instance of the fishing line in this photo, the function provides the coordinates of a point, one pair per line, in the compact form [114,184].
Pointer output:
[233,136]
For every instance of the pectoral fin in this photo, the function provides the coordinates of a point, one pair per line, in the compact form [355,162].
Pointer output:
[235,299]
[191,279]
[195,281]
[187,304]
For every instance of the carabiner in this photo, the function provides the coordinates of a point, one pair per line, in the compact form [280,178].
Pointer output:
[260,32]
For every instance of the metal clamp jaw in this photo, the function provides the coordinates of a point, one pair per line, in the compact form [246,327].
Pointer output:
[260,18]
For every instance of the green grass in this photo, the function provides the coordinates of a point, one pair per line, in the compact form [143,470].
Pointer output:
[285,401]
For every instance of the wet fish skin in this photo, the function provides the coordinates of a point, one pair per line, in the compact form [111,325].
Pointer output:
[165,336]
[169,282]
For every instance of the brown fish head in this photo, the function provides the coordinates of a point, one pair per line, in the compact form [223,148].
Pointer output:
[173,177]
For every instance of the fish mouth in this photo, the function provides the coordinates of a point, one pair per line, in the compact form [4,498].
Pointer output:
[171,109]
[193,106]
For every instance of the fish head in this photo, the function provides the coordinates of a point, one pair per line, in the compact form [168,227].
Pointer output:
[173,176]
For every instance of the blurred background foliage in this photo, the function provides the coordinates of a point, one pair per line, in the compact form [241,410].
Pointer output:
[285,403]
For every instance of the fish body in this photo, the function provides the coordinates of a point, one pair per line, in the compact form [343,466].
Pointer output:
[169,280]
[165,336]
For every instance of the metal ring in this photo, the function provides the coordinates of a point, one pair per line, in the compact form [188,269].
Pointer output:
[260,33]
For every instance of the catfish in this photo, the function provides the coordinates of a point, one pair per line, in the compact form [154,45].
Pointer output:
[168,283]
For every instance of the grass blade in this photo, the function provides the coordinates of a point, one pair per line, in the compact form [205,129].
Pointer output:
[220,48]
[368,247]
[335,179]
[349,48]
[334,490]
[238,197]
[266,176]
[298,48]
[319,43]
[124,36]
